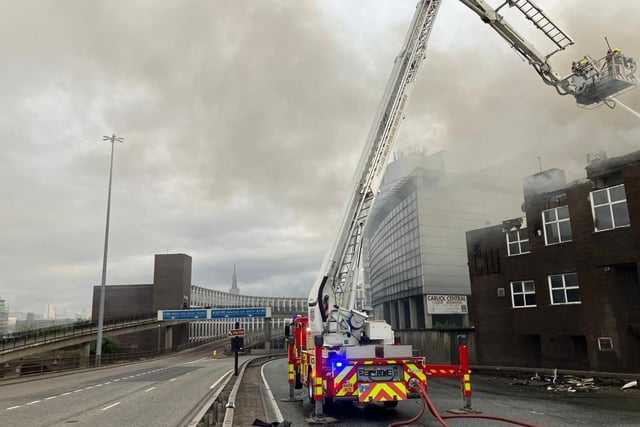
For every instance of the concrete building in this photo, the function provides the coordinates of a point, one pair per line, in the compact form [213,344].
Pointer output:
[171,289]
[414,243]
[559,287]
[4,317]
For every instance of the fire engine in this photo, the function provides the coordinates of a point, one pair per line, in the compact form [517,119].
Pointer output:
[337,352]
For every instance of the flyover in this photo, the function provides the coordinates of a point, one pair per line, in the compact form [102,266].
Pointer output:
[44,340]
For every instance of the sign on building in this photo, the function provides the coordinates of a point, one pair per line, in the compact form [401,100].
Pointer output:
[447,304]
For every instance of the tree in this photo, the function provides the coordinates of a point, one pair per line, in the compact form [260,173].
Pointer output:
[110,345]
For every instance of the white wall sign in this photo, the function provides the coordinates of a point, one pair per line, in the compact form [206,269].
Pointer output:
[447,304]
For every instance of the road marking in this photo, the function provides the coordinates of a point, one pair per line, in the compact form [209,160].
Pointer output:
[13,407]
[149,389]
[77,391]
[110,406]
[99,385]
[88,388]
[214,385]
[50,397]
[172,379]
[35,401]
[66,394]
[107,383]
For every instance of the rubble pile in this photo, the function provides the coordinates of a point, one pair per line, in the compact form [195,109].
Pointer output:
[572,384]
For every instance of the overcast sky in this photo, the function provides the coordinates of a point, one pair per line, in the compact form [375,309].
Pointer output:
[243,122]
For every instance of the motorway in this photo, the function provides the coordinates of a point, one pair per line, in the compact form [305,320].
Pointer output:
[161,392]
[492,396]
[168,392]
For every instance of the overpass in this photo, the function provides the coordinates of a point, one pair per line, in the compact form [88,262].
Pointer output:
[258,330]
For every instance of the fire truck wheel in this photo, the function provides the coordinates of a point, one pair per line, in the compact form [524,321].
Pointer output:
[390,404]
[298,383]
[310,393]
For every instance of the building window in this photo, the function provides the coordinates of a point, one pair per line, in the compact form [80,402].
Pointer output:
[564,288]
[610,208]
[605,344]
[518,242]
[557,226]
[523,294]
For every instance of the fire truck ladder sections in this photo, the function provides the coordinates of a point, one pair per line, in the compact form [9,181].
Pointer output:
[351,258]
[535,14]
[381,138]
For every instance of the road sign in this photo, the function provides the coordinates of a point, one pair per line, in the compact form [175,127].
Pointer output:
[215,313]
[182,314]
[236,332]
[240,313]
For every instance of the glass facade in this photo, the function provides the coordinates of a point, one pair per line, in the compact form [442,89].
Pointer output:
[415,244]
[394,253]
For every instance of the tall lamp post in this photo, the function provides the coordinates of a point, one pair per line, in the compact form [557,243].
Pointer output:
[112,139]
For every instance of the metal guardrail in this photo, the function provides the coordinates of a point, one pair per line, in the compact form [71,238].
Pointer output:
[47,334]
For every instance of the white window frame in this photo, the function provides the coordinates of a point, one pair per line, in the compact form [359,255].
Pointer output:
[610,204]
[605,344]
[556,225]
[519,241]
[565,288]
[524,293]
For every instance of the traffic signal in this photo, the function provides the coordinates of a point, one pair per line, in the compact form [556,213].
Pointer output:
[237,343]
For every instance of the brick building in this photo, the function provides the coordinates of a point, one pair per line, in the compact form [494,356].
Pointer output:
[559,287]
[171,289]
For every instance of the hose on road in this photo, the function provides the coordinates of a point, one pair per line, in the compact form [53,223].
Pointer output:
[426,400]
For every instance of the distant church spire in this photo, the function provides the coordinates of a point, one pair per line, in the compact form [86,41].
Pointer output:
[234,283]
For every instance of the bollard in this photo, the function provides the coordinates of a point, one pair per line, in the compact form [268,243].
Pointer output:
[463,354]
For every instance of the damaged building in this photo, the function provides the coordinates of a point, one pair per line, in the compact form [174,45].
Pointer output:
[559,287]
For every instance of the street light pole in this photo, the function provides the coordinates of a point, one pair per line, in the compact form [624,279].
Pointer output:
[112,139]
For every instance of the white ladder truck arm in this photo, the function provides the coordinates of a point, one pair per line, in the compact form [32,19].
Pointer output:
[591,82]
[339,323]
[335,351]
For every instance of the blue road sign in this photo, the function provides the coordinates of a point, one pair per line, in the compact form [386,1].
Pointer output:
[240,313]
[182,314]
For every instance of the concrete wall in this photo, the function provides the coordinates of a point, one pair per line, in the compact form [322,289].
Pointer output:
[438,346]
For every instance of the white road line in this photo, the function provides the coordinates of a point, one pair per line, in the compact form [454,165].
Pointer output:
[272,400]
[107,383]
[88,388]
[66,394]
[99,385]
[172,379]
[50,397]
[77,391]
[13,407]
[214,385]
[110,406]
[35,401]
[149,389]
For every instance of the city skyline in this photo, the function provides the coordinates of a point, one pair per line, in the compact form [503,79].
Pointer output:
[243,122]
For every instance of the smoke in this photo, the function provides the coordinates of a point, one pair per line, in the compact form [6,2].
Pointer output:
[243,122]
[490,107]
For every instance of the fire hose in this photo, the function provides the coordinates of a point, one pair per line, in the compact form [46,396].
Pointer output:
[426,401]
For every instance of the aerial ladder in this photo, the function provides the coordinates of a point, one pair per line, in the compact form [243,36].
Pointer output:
[336,351]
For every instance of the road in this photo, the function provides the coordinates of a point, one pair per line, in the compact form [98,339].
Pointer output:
[494,396]
[160,392]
